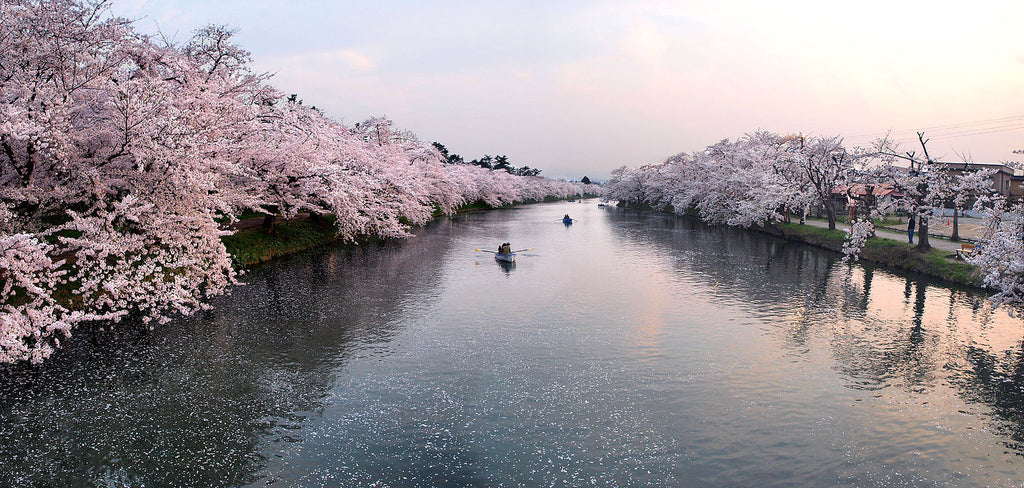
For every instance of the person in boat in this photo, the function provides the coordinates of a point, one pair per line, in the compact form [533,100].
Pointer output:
[505,248]
[566,217]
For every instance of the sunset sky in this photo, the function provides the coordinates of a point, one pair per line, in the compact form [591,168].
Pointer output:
[579,88]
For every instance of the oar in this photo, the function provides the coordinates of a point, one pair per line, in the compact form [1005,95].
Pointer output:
[484,250]
[521,250]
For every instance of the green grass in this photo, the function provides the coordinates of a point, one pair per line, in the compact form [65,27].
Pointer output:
[889,221]
[815,236]
[253,246]
[934,262]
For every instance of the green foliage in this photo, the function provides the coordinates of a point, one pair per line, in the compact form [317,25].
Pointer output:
[252,246]
[449,157]
[499,162]
[55,237]
[248,214]
[946,265]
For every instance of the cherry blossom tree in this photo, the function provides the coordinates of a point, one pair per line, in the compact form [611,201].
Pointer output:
[754,180]
[121,156]
[1001,256]
[921,182]
[825,164]
[926,184]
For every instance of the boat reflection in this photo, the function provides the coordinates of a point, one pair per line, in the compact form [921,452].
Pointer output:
[506,266]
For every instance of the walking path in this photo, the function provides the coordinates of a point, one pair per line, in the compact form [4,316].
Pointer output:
[936,242]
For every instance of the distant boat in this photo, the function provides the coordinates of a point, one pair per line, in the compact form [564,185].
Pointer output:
[570,200]
[567,221]
[601,205]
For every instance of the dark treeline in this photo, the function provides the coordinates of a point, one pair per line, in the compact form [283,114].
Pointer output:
[499,162]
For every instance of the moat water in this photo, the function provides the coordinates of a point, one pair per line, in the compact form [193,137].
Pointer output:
[628,349]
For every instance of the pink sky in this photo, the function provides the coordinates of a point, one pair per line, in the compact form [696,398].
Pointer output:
[579,88]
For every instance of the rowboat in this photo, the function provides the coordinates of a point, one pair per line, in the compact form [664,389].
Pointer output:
[567,221]
[505,258]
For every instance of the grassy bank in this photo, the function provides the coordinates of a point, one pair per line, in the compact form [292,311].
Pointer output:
[936,263]
[253,246]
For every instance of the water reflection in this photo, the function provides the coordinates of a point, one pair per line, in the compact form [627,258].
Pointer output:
[507,267]
[887,333]
[633,350]
[210,400]
[997,380]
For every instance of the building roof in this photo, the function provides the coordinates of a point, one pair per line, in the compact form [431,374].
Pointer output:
[861,189]
[999,167]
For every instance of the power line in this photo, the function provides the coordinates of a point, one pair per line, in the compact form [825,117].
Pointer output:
[941,132]
[978,131]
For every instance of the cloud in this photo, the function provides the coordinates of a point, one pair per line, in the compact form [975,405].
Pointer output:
[355,59]
[324,63]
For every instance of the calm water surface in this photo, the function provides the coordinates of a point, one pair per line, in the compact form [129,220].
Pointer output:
[624,350]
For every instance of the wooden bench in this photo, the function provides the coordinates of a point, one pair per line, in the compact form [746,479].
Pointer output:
[965,250]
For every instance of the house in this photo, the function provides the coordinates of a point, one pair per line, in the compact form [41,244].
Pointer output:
[1005,180]
[863,195]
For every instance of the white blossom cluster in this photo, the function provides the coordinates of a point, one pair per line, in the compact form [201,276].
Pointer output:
[750,181]
[860,230]
[122,156]
[1001,257]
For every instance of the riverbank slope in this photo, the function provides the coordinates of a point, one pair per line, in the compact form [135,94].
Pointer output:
[936,262]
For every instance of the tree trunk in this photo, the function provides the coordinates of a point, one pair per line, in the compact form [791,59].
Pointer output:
[830,210]
[269,224]
[956,225]
[922,235]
